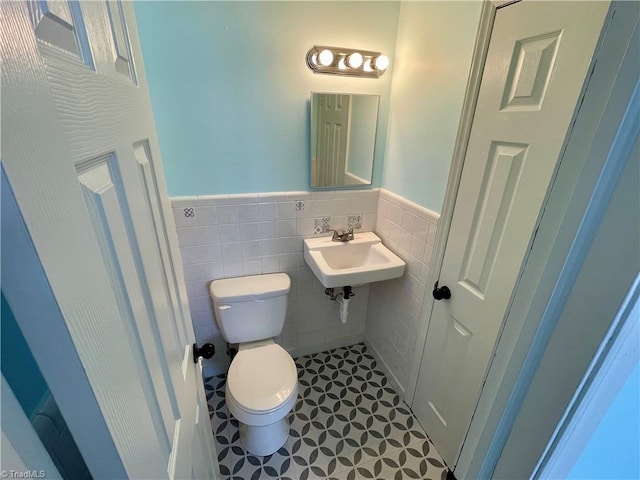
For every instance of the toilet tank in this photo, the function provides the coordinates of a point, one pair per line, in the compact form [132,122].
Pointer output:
[250,308]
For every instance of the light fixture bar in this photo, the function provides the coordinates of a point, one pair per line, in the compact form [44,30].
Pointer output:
[346,61]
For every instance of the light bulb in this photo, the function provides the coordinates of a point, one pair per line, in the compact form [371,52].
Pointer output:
[367,65]
[341,64]
[354,60]
[382,62]
[325,57]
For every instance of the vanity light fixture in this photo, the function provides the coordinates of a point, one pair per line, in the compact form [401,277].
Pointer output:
[381,62]
[325,58]
[347,61]
[354,60]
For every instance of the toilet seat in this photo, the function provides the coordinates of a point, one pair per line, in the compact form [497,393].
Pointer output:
[262,379]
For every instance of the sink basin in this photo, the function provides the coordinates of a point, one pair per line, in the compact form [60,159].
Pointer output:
[361,260]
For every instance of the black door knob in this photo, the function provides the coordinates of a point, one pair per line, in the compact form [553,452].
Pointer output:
[205,351]
[442,292]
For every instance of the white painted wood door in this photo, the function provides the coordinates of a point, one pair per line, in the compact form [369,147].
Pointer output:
[538,58]
[80,152]
[333,134]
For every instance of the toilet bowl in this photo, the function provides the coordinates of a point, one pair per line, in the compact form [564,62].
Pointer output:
[262,381]
[262,388]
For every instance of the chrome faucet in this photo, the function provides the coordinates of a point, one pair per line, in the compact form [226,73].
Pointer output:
[343,236]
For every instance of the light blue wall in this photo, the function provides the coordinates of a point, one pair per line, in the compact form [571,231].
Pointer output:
[433,56]
[230,86]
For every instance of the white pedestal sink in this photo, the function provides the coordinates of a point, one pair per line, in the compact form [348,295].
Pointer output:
[361,260]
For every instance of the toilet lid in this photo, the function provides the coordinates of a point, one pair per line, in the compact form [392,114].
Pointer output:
[261,379]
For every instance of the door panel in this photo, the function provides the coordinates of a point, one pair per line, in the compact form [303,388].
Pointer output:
[536,64]
[110,220]
[529,73]
[81,155]
[122,58]
[60,24]
[495,199]
[153,198]
[332,138]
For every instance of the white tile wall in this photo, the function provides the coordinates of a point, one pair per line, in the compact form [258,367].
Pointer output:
[248,234]
[394,306]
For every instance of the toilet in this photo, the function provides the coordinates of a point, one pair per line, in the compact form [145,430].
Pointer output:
[262,382]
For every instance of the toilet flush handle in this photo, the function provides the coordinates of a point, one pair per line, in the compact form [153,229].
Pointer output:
[205,351]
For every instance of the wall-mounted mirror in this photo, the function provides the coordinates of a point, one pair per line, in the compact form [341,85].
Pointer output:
[343,136]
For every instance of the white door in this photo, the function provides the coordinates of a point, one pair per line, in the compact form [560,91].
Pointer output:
[333,133]
[538,57]
[80,152]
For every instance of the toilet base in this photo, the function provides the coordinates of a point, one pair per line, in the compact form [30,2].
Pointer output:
[266,439]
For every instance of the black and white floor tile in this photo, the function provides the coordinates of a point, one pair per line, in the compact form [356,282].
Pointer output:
[348,424]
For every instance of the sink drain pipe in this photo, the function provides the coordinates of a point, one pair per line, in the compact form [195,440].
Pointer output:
[344,303]
[343,298]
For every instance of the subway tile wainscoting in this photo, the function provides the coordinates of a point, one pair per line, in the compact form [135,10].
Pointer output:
[409,230]
[247,234]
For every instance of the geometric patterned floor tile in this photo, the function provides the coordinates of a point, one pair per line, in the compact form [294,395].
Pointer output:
[347,424]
